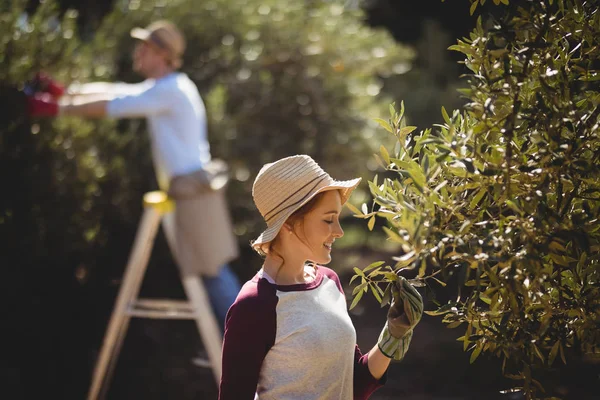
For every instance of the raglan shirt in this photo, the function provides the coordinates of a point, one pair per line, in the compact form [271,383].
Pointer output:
[176,120]
[293,342]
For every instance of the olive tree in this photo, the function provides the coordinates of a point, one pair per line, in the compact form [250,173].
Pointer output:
[503,196]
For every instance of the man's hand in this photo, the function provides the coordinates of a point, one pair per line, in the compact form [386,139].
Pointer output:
[44,83]
[42,105]
[404,314]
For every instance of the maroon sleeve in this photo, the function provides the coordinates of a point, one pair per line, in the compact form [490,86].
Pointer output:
[250,329]
[364,383]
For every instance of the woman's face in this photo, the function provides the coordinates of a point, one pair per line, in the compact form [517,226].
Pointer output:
[319,228]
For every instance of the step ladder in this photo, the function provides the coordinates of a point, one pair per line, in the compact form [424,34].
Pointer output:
[128,305]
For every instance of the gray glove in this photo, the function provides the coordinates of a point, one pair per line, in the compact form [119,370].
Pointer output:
[404,314]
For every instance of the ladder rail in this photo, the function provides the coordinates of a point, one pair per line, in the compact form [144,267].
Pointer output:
[130,286]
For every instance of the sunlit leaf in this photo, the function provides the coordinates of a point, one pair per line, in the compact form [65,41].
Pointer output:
[475,353]
[371,223]
[357,298]
[384,124]
[375,293]
[360,287]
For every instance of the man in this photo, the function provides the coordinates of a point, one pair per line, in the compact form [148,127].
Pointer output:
[199,232]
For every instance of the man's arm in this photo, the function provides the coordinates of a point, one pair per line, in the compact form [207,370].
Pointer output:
[91,99]
[112,89]
[89,109]
[151,101]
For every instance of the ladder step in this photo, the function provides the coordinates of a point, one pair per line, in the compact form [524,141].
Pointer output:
[161,309]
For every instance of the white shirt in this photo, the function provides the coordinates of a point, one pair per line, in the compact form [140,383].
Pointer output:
[293,342]
[176,119]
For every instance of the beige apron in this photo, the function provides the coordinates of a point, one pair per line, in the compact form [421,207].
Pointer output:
[202,237]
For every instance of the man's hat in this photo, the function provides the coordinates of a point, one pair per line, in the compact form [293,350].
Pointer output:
[166,36]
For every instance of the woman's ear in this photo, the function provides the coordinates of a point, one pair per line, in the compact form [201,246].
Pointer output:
[287,227]
[265,247]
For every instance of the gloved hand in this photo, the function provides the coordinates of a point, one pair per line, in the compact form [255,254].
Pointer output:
[403,315]
[42,105]
[44,83]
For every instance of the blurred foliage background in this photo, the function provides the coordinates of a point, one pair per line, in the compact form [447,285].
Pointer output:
[278,77]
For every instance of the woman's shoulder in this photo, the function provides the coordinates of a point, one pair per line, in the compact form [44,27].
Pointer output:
[255,295]
[332,275]
[253,315]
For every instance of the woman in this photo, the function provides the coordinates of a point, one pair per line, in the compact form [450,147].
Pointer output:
[288,335]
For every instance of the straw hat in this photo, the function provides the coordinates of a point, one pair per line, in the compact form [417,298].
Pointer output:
[166,36]
[282,187]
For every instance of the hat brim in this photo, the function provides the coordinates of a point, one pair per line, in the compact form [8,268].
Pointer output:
[347,187]
[140,33]
[144,35]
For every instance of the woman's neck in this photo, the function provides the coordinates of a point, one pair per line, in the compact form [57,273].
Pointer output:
[286,273]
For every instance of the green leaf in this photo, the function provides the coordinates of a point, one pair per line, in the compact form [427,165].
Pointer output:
[438,281]
[379,161]
[406,130]
[373,266]
[384,124]
[401,109]
[393,235]
[359,288]
[375,293]
[356,299]
[371,223]
[446,117]
[513,206]
[353,208]
[473,7]
[359,272]
[446,308]
[485,299]
[387,296]
[384,154]
[390,276]
[477,198]
[467,337]
[475,353]
[377,271]
[454,324]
